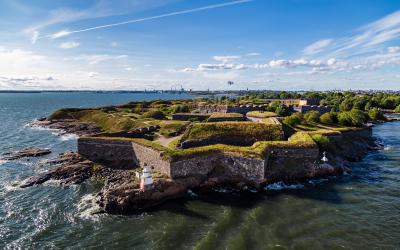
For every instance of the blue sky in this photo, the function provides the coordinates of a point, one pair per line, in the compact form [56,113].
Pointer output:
[163,44]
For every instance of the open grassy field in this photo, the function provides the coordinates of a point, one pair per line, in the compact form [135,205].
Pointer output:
[259,131]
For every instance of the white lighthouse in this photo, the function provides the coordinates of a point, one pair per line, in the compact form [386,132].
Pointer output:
[146,182]
[324,158]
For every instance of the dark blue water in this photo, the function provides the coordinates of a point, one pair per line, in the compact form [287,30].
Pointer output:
[360,210]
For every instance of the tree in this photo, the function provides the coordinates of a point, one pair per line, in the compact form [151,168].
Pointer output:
[311,116]
[328,118]
[293,120]
[346,105]
[375,114]
[358,118]
[282,110]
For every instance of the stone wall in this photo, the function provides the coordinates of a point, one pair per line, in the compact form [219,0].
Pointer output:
[306,108]
[189,116]
[291,163]
[281,163]
[122,154]
[112,153]
[241,109]
[221,164]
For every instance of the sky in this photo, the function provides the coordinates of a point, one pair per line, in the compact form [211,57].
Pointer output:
[199,44]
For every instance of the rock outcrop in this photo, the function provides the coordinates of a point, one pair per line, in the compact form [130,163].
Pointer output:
[27,152]
[69,126]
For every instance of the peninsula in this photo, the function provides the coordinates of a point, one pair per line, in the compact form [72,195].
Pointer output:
[243,142]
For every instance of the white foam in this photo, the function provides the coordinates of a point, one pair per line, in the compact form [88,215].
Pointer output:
[388,148]
[3,161]
[68,137]
[282,186]
[87,207]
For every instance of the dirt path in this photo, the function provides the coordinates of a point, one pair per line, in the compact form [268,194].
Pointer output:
[165,141]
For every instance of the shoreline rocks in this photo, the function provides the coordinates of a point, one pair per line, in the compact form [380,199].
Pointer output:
[68,126]
[24,153]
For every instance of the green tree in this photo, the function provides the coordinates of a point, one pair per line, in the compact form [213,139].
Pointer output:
[397,109]
[346,105]
[294,119]
[328,118]
[282,110]
[311,116]
[375,114]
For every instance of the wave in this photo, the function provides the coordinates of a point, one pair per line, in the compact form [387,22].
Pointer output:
[282,186]
[87,207]
[69,137]
[2,161]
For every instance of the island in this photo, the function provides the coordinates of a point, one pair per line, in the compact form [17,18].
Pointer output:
[148,152]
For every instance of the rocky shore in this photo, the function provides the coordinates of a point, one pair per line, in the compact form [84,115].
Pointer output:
[68,126]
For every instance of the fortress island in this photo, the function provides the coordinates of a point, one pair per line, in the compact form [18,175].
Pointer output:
[147,152]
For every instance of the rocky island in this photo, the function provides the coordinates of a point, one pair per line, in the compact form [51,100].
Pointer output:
[203,144]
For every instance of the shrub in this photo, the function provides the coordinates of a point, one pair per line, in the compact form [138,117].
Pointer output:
[354,117]
[312,116]
[328,118]
[293,120]
[181,109]
[397,109]
[322,141]
[375,114]
[282,110]
[155,114]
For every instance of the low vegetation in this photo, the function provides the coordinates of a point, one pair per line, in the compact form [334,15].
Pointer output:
[259,114]
[259,131]
[172,128]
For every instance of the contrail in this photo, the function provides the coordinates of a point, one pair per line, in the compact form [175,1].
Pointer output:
[214,6]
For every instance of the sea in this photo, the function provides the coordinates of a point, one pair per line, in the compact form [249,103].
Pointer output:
[359,210]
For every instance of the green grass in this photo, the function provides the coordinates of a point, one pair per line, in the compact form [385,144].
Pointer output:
[324,129]
[259,131]
[258,114]
[172,128]
[225,115]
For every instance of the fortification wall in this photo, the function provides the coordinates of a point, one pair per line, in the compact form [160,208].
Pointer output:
[112,153]
[120,154]
[225,164]
[291,163]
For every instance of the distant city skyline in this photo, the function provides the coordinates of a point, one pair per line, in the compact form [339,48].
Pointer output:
[199,45]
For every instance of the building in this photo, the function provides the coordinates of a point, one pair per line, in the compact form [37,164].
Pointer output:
[306,108]
[241,109]
[294,102]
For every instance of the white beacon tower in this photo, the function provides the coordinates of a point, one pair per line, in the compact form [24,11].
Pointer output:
[146,182]
[324,158]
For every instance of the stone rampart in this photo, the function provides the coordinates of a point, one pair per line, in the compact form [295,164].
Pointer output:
[283,162]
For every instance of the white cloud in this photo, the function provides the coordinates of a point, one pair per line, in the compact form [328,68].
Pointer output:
[35,36]
[69,45]
[92,74]
[60,33]
[96,58]
[253,54]
[393,49]
[317,47]
[225,59]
